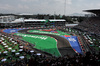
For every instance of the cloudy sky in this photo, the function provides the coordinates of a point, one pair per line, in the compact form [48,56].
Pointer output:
[47,6]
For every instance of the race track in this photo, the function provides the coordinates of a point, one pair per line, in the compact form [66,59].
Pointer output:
[62,44]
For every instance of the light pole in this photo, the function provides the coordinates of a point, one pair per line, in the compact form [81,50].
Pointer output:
[54,15]
[65,7]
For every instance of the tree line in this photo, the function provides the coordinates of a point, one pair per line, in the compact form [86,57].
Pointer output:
[69,19]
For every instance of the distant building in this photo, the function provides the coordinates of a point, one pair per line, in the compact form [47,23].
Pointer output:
[10,22]
[7,18]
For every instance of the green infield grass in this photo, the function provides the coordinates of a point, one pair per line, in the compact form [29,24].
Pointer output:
[44,43]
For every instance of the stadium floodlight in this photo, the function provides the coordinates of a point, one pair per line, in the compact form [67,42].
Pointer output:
[65,8]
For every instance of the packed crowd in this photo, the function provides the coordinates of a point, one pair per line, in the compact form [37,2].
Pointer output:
[78,60]
[91,25]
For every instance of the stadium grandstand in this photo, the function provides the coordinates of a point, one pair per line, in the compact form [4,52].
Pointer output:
[91,24]
[90,29]
[40,42]
[9,22]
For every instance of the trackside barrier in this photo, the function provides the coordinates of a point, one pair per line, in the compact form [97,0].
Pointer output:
[81,45]
[76,51]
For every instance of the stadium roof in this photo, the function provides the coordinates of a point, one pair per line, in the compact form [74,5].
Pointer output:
[32,20]
[95,11]
[44,20]
[57,20]
[25,14]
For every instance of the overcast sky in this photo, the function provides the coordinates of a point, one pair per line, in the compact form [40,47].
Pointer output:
[47,6]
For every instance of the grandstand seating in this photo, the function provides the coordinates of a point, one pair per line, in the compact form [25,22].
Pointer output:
[90,25]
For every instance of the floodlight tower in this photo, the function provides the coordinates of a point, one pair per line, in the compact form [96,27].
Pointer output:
[54,15]
[65,7]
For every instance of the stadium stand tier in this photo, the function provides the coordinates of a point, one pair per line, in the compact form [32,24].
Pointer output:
[91,24]
[21,22]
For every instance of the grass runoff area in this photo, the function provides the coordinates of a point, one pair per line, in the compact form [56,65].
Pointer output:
[44,43]
[60,33]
